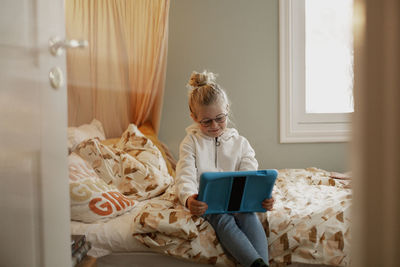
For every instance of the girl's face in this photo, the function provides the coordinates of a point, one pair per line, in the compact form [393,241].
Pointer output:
[212,119]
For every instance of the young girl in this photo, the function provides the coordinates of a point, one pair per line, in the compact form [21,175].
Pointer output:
[210,146]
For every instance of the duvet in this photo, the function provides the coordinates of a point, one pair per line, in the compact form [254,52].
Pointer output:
[309,224]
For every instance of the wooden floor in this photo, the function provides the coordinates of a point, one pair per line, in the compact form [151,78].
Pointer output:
[88,262]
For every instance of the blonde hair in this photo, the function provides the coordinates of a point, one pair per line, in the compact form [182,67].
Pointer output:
[204,91]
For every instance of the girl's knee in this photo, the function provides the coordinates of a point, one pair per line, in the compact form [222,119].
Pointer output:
[222,221]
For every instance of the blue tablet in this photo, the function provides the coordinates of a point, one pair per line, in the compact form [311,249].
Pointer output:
[231,192]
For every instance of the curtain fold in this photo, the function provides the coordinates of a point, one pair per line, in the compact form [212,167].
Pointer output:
[119,78]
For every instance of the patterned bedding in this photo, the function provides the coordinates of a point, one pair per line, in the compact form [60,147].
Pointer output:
[309,224]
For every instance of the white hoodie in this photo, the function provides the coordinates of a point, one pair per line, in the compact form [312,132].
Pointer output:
[199,153]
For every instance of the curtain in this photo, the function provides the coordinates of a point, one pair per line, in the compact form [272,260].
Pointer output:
[119,78]
[376,157]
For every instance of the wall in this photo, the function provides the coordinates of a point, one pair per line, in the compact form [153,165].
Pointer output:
[239,40]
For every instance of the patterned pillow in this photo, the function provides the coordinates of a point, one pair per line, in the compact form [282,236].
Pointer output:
[79,134]
[134,165]
[148,131]
[91,198]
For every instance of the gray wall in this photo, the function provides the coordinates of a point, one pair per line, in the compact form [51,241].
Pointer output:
[239,40]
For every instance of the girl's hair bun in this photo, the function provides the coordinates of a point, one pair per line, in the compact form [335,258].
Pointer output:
[200,79]
[203,91]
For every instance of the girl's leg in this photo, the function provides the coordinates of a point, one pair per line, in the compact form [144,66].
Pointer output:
[233,239]
[253,229]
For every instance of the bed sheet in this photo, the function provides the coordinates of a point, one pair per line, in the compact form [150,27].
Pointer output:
[109,236]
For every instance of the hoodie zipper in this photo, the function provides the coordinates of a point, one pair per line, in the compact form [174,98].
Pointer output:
[217,143]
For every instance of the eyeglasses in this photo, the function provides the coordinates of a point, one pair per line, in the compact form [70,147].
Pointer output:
[219,119]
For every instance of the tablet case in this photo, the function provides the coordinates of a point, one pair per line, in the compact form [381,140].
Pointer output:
[231,192]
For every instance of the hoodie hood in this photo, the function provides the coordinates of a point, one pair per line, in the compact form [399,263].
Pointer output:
[195,130]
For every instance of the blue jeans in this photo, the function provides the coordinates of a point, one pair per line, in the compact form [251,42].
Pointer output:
[242,235]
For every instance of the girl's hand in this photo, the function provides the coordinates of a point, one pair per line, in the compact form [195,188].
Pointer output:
[196,207]
[268,203]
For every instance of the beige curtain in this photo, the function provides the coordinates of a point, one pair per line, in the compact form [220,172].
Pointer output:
[376,158]
[119,78]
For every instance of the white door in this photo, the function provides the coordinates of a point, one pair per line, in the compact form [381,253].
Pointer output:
[34,199]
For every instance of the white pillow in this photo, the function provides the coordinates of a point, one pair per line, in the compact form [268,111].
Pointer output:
[91,198]
[76,135]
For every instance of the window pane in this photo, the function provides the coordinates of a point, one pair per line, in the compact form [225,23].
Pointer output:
[329,56]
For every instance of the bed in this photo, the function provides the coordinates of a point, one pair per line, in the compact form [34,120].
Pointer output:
[123,199]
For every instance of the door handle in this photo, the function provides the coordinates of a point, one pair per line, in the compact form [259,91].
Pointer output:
[58,46]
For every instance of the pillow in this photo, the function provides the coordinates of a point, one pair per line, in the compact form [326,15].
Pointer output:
[79,134]
[110,141]
[91,198]
[148,130]
[134,164]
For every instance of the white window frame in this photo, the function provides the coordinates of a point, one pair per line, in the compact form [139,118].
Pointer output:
[297,126]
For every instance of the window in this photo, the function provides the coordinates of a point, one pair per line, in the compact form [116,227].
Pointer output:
[316,70]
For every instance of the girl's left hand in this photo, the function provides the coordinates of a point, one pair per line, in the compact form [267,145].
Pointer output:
[268,203]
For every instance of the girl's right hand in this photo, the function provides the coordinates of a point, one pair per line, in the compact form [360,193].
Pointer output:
[268,203]
[195,206]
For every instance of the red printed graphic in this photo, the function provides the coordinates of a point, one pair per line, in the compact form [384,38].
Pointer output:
[109,202]
[105,208]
